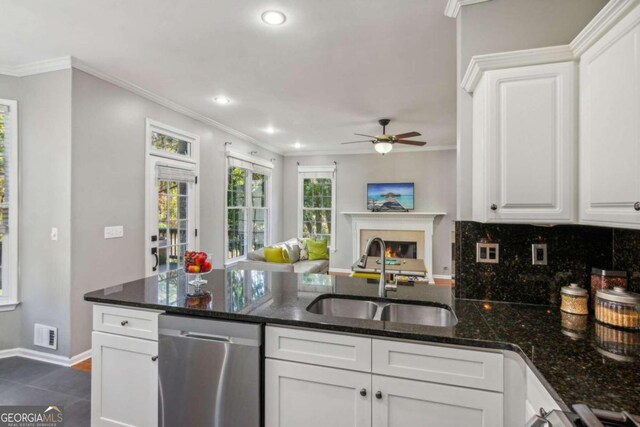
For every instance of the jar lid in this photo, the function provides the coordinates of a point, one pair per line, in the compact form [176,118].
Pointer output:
[618,294]
[608,273]
[574,289]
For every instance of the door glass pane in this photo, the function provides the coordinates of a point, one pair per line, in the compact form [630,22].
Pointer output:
[173,225]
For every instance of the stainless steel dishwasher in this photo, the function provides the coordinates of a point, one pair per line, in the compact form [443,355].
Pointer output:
[209,372]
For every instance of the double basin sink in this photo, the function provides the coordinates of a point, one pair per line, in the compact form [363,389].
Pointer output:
[384,310]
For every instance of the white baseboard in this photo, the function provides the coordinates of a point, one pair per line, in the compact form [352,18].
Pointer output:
[442,276]
[45,357]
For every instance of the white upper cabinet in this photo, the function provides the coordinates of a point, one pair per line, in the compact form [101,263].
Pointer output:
[610,125]
[524,141]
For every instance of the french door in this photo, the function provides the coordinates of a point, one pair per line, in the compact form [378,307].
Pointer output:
[171,215]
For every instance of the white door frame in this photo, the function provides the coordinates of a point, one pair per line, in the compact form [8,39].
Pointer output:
[154,157]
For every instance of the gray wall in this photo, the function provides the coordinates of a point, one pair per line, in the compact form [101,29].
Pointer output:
[108,178]
[501,26]
[433,173]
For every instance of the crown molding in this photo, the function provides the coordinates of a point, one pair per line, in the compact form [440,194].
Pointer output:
[520,58]
[38,67]
[453,6]
[610,15]
[299,153]
[131,87]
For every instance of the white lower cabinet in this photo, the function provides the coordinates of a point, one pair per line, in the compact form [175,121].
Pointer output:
[313,396]
[301,394]
[124,376]
[399,403]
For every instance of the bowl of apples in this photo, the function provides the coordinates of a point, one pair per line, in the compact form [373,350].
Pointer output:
[197,263]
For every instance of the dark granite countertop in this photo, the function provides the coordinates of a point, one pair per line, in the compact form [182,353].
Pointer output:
[579,361]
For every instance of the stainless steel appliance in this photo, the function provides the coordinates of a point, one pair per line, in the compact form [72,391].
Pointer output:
[583,416]
[209,372]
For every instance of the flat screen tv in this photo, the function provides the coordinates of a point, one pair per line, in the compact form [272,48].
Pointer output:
[390,197]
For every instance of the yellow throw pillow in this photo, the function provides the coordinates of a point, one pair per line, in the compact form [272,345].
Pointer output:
[274,255]
[318,249]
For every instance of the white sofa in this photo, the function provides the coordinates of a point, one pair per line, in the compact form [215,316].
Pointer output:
[256,261]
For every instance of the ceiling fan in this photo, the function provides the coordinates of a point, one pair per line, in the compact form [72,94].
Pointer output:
[384,143]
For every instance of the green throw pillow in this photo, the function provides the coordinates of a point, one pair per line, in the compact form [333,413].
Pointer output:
[317,249]
[274,255]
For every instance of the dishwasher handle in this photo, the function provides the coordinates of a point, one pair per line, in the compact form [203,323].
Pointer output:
[202,336]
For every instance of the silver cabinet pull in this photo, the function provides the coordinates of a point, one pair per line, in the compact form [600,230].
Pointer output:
[378,394]
[494,207]
[363,392]
[124,322]
[636,206]
[154,358]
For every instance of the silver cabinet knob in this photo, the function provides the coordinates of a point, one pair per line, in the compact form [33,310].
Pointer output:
[636,206]
[494,207]
[124,322]
[378,394]
[154,358]
[363,392]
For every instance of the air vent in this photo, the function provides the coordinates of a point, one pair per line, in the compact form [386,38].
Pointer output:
[45,336]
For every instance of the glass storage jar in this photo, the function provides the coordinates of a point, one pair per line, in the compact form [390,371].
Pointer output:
[617,344]
[617,307]
[606,279]
[574,299]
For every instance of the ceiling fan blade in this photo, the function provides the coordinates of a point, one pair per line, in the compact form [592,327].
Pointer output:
[418,143]
[407,135]
[368,136]
[354,142]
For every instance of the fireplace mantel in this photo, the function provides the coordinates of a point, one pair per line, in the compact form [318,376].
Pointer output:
[408,221]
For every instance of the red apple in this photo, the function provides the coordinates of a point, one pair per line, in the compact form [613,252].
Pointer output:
[206,267]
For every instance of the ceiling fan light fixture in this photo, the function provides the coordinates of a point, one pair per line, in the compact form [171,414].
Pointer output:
[383,147]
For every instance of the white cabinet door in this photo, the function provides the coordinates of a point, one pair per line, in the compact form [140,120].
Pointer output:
[404,403]
[610,127]
[525,144]
[313,396]
[124,383]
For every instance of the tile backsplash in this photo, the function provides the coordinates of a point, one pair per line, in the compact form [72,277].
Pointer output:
[572,250]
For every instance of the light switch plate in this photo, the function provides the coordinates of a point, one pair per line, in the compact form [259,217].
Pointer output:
[539,254]
[113,232]
[488,252]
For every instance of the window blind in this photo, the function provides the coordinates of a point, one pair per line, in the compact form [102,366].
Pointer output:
[169,173]
[317,172]
[239,161]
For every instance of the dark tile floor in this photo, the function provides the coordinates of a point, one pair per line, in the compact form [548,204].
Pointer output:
[29,382]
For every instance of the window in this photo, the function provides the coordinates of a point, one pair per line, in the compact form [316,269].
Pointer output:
[248,205]
[317,201]
[8,204]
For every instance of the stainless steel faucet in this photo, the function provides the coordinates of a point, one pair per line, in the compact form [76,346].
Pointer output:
[382,286]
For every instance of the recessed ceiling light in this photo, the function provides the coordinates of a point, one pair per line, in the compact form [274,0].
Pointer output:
[270,130]
[297,145]
[273,17]
[223,100]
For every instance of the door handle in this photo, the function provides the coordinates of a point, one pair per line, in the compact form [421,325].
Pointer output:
[154,252]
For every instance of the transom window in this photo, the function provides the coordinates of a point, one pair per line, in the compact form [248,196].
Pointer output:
[248,205]
[317,201]
[170,144]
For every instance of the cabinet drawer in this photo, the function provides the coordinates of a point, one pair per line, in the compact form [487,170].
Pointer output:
[126,321]
[319,348]
[467,368]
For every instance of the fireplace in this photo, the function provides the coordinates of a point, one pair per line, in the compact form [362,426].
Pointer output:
[396,249]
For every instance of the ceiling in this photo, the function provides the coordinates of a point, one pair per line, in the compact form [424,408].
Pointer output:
[333,68]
